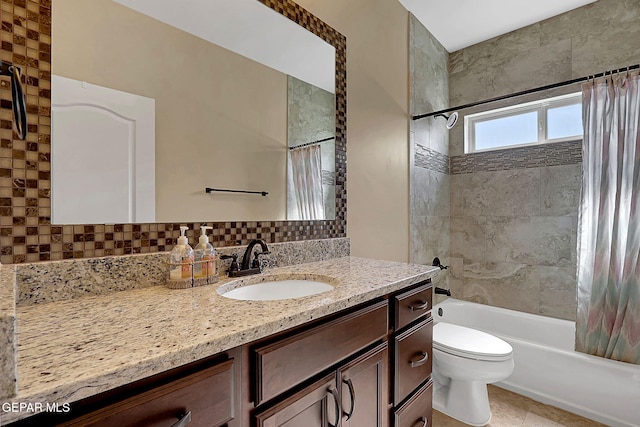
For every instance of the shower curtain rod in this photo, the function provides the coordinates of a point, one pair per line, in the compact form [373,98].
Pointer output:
[528,91]
[311,143]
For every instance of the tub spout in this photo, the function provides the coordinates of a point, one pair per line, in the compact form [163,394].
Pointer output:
[442,291]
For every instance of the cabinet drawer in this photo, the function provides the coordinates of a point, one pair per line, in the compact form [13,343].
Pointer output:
[409,306]
[206,396]
[416,412]
[287,362]
[412,359]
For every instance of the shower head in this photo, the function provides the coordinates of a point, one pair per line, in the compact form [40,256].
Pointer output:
[451,119]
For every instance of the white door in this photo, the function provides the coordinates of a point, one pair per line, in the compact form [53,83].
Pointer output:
[102,155]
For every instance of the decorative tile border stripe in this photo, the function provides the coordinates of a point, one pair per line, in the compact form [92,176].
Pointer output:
[554,154]
[44,282]
[26,232]
[430,159]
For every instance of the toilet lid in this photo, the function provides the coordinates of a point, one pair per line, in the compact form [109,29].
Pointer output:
[469,343]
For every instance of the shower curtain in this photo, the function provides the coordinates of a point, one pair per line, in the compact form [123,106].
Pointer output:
[608,317]
[306,168]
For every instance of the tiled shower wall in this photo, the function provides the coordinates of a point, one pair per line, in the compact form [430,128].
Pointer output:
[514,212]
[430,179]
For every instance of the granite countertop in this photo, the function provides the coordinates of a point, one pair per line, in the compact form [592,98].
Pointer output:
[72,349]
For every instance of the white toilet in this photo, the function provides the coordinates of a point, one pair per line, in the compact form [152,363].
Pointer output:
[464,362]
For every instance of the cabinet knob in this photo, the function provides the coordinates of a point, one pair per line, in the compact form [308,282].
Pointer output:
[421,361]
[183,420]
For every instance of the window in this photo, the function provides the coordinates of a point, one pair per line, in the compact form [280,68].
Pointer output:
[539,122]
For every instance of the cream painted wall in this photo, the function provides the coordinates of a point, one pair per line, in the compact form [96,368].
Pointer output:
[221,119]
[377,123]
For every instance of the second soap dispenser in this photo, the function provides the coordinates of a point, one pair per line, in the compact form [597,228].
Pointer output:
[181,263]
[204,267]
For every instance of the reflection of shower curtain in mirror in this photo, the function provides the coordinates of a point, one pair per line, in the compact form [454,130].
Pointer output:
[608,321]
[307,181]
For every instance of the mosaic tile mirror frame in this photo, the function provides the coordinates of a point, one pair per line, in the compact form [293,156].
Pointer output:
[26,232]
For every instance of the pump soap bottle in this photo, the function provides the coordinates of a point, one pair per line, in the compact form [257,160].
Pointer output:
[181,263]
[204,267]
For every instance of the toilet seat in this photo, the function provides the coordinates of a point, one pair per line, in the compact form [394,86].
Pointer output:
[470,343]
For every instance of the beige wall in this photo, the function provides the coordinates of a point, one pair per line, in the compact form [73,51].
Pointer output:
[221,119]
[377,124]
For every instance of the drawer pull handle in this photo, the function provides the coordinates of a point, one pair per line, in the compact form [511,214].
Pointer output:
[423,306]
[422,420]
[336,401]
[423,359]
[352,392]
[184,419]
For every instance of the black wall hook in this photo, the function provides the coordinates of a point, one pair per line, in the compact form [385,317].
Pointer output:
[437,263]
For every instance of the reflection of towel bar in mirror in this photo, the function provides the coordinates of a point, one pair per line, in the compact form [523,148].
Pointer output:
[211,190]
[312,143]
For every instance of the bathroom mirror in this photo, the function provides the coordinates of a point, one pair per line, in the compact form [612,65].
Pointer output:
[222,120]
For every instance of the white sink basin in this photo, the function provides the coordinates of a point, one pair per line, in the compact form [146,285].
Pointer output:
[272,288]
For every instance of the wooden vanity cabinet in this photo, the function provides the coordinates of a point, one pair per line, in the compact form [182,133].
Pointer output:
[368,366]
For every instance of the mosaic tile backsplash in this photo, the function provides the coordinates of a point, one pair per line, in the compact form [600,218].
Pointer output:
[26,232]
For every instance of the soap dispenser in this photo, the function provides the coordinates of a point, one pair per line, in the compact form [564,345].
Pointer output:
[204,267]
[181,263]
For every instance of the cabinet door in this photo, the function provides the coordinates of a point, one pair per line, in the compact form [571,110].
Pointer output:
[364,389]
[315,406]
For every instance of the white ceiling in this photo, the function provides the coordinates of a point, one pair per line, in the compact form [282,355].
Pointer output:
[461,23]
[251,29]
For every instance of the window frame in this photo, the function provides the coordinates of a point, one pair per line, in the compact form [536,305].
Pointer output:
[540,107]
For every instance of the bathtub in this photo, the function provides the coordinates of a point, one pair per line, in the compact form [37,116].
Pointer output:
[548,370]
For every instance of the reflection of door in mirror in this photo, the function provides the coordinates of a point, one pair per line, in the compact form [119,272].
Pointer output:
[104,155]
[221,118]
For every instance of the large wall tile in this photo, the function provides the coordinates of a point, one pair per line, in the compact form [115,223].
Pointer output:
[503,193]
[458,183]
[468,237]
[456,277]
[546,241]
[429,238]
[558,292]
[430,193]
[507,285]
[599,52]
[560,190]
[598,17]
[497,49]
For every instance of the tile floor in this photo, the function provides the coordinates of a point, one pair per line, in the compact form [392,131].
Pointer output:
[512,410]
